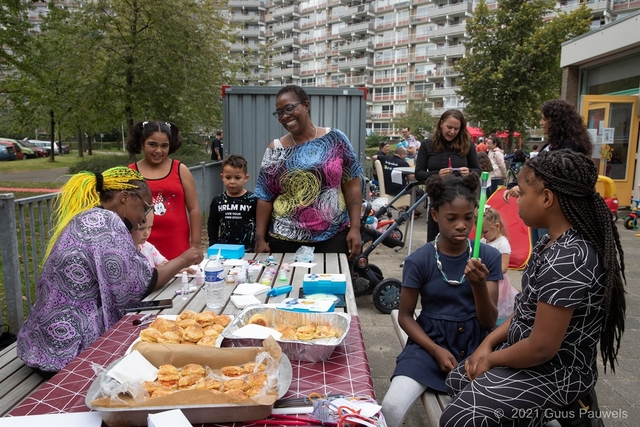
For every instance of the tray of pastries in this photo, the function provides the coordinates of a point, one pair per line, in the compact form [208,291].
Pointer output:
[308,337]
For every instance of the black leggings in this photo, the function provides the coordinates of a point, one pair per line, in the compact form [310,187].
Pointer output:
[337,244]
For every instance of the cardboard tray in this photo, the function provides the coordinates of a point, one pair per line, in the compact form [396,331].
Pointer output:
[198,413]
[306,351]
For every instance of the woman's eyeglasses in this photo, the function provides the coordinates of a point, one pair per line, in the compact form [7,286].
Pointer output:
[286,110]
[149,208]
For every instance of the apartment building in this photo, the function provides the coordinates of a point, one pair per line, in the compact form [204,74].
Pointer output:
[400,50]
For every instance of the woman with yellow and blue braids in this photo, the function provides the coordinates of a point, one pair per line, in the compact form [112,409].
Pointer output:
[92,270]
[308,187]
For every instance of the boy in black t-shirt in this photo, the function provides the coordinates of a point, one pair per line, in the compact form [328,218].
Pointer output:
[232,214]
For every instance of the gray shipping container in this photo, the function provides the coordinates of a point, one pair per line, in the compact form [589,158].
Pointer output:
[249,126]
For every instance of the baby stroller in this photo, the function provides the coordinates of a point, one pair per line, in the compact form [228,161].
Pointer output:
[368,278]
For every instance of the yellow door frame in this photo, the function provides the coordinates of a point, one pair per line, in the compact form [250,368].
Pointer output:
[627,187]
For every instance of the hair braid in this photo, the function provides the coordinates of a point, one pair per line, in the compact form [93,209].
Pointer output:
[572,177]
[80,193]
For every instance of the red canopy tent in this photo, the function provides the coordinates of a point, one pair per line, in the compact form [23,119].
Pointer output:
[477,132]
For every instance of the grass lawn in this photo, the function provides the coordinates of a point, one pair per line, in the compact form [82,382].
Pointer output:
[40,163]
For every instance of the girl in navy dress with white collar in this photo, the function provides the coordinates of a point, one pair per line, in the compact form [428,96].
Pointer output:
[458,295]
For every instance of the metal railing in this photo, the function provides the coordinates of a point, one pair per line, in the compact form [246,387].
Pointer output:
[25,232]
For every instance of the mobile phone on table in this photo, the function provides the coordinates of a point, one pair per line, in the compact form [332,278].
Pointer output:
[152,305]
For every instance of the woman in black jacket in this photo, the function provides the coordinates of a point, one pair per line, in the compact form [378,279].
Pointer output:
[449,150]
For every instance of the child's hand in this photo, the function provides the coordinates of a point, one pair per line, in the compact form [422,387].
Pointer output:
[476,272]
[477,364]
[445,359]
[262,247]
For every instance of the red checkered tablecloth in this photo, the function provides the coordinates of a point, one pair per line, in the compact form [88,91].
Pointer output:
[346,371]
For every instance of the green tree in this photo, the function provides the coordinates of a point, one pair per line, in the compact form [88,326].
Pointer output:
[114,62]
[513,61]
[418,118]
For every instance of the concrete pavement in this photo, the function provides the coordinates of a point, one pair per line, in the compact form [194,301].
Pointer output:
[618,394]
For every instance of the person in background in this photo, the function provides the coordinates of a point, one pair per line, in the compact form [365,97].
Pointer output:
[216,147]
[496,155]
[564,129]
[92,270]
[177,213]
[309,186]
[449,151]
[544,360]
[485,162]
[411,143]
[232,214]
[383,150]
[481,146]
[534,151]
[458,296]
[494,234]
[391,162]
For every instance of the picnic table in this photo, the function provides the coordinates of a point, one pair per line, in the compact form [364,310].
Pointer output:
[346,371]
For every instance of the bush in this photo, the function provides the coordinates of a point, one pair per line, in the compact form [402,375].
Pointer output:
[190,155]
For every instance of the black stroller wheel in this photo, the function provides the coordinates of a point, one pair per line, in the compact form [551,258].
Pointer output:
[386,295]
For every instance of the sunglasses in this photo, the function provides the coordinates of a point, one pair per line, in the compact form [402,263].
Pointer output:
[286,110]
[149,208]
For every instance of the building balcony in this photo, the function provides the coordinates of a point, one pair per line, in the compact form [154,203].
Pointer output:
[237,18]
[286,12]
[284,57]
[357,80]
[356,29]
[443,91]
[355,47]
[447,30]
[390,79]
[312,23]
[447,51]
[358,13]
[247,3]
[356,64]
[388,97]
[285,72]
[419,2]
[423,17]
[285,27]
[312,7]
[288,41]
[249,33]
[237,47]
[451,10]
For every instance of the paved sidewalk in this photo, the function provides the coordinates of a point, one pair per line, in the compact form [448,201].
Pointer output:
[618,394]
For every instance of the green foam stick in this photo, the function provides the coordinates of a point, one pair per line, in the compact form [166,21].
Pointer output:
[484,184]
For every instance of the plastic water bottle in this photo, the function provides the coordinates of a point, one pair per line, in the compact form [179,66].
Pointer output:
[214,283]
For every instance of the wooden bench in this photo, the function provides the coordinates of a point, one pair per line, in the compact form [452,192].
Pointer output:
[17,381]
[433,402]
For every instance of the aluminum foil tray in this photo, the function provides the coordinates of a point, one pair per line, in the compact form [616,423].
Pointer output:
[196,414]
[306,351]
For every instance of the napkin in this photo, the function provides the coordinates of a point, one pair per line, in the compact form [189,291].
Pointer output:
[133,368]
[172,418]
[396,177]
[250,289]
[256,331]
[242,301]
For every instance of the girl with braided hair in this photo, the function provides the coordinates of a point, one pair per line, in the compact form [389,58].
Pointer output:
[541,363]
[92,270]
[458,295]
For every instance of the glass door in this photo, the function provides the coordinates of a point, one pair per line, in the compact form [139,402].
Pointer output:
[612,122]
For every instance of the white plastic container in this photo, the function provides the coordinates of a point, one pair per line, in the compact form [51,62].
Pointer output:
[214,283]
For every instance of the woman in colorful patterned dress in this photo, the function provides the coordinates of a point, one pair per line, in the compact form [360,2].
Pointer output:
[92,270]
[175,202]
[308,189]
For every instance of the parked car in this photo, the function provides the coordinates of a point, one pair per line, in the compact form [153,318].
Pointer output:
[7,152]
[29,153]
[41,152]
[46,145]
[65,147]
[16,147]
